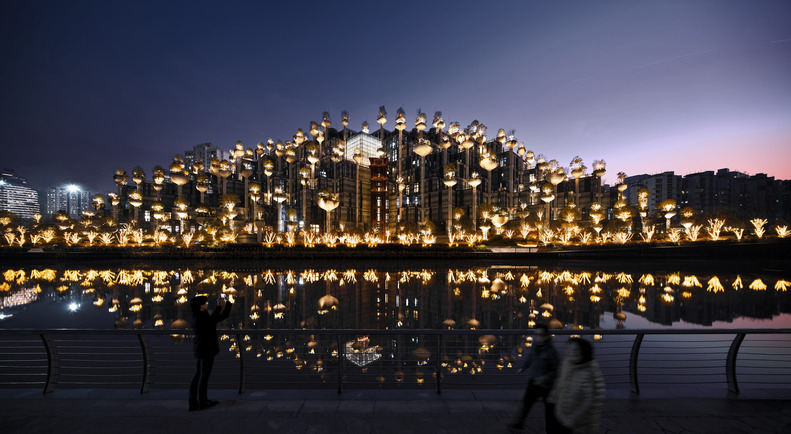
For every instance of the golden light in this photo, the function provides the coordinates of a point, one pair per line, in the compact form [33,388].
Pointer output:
[715,285]
[647,280]
[715,226]
[758,285]
[758,226]
[690,281]
[623,278]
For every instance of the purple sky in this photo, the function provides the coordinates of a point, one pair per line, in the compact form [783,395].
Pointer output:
[647,86]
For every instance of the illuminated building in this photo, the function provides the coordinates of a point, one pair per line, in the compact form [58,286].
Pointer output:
[70,198]
[661,186]
[490,175]
[16,196]
[367,145]
[379,196]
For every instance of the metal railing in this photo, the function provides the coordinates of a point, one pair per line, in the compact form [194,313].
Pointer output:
[352,359]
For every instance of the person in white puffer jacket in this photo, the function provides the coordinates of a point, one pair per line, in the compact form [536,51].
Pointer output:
[579,390]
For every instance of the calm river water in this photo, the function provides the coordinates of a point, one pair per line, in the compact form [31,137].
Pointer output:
[410,295]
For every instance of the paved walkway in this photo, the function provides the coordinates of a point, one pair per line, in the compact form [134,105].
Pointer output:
[371,411]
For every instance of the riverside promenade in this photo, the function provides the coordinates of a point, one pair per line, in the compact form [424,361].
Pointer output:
[376,411]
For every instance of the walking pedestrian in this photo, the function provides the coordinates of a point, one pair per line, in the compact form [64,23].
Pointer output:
[542,361]
[579,390]
[205,346]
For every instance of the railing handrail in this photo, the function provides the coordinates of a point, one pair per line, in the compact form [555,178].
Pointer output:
[504,332]
[45,335]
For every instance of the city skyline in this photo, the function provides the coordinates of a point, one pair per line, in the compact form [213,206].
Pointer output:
[649,87]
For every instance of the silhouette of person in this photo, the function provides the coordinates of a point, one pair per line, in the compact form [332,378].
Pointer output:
[579,389]
[542,361]
[205,346]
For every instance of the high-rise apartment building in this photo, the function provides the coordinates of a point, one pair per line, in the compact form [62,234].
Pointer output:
[204,153]
[16,196]
[662,186]
[69,198]
[711,192]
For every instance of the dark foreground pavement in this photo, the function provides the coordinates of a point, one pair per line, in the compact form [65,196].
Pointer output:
[371,411]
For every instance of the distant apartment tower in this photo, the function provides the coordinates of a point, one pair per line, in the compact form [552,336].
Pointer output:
[69,198]
[16,196]
[749,196]
[204,153]
[662,186]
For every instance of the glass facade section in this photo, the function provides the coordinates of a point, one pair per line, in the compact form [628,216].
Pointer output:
[367,144]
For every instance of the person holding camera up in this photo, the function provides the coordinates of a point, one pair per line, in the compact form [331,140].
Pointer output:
[205,346]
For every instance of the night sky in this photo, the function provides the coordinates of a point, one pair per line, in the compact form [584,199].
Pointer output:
[686,86]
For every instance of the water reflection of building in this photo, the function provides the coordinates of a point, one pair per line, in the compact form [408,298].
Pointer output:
[509,298]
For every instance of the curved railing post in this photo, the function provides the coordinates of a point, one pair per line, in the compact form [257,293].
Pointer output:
[52,363]
[340,361]
[241,347]
[730,362]
[439,364]
[146,362]
[638,340]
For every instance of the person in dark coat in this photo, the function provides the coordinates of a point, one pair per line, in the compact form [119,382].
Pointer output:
[542,362]
[579,390]
[205,346]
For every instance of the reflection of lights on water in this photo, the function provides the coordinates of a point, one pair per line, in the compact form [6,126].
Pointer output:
[4,316]
[758,285]
[25,296]
[605,288]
